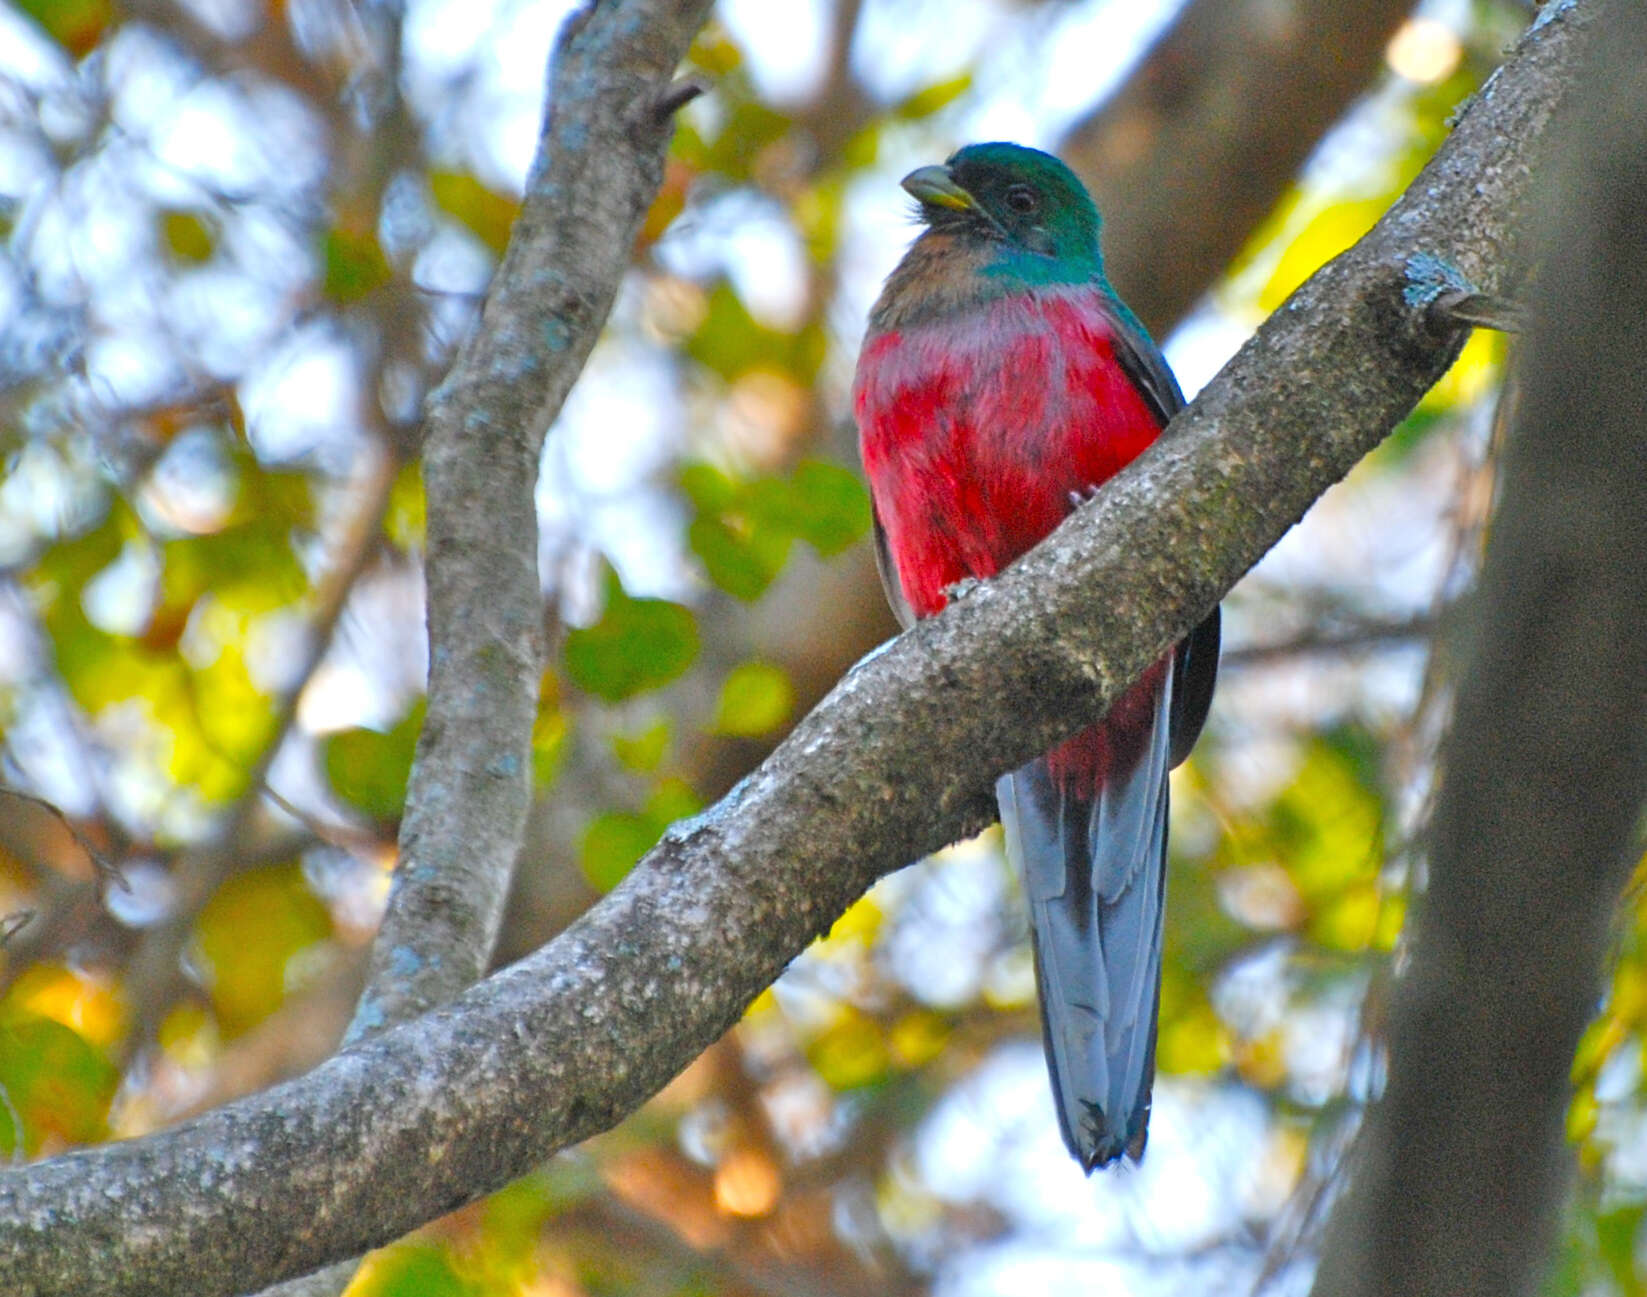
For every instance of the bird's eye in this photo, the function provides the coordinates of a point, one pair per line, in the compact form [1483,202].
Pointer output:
[1022,199]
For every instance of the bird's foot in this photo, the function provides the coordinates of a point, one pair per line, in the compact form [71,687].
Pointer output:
[1084,495]
[961,589]
[1450,301]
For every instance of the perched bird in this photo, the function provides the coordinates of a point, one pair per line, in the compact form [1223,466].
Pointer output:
[1001,382]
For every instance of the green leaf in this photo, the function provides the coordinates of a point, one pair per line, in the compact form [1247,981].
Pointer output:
[851,1052]
[671,800]
[77,25]
[616,840]
[354,264]
[369,769]
[731,342]
[57,1081]
[742,530]
[638,644]
[253,567]
[831,506]
[709,488]
[933,98]
[246,937]
[415,1269]
[549,734]
[748,128]
[488,214]
[642,752]
[1617,1233]
[714,52]
[404,520]
[742,561]
[612,844]
[755,699]
[818,210]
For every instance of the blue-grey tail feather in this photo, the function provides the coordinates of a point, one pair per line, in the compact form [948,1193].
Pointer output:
[1094,873]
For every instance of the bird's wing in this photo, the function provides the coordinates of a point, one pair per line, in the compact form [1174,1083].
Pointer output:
[1141,359]
[1196,668]
[889,575]
[1195,672]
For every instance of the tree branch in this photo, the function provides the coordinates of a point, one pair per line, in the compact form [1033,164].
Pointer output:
[597,169]
[1462,1169]
[418,1119]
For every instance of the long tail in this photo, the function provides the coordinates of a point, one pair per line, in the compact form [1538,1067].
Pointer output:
[1094,870]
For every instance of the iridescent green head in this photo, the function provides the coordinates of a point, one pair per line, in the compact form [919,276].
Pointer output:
[1027,201]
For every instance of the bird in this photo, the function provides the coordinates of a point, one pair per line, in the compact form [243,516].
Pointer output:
[1001,382]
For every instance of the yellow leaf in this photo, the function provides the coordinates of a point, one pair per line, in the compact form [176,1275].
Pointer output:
[187,236]
[918,1037]
[1323,237]
[488,214]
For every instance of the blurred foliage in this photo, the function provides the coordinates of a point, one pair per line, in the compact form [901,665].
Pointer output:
[247,981]
[756,698]
[369,769]
[637,645]
[742,530]
[237,258]
[77,25]
[615,840]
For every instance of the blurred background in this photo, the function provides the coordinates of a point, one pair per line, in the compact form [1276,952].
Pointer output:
[241,240]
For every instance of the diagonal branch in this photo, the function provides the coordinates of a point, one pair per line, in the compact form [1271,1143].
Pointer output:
[411,1122]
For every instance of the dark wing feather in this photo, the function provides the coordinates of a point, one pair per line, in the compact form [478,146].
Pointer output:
[889,574]
[1197,652]
[1141,360]
[1196,672]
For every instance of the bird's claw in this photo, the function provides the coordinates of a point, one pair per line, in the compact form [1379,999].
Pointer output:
[1083,495]
[961,589]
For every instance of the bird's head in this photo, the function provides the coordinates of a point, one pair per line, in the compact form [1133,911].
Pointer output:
[1026,201]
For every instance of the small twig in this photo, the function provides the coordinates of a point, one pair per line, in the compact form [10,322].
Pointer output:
[1335,640]
[676,96]
[335,835]
[14,923]
[106,870]
[1479,310]
[1450,301]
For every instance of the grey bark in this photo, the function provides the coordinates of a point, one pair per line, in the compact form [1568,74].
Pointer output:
[416,1120]
[1461,1171]
[598,165]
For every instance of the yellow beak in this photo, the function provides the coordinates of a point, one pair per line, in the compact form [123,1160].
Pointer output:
[937,188]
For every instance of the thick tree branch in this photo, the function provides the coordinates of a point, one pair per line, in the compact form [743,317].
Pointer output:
[597,170]
[420,1118]
[598,165]
[1462,1168]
